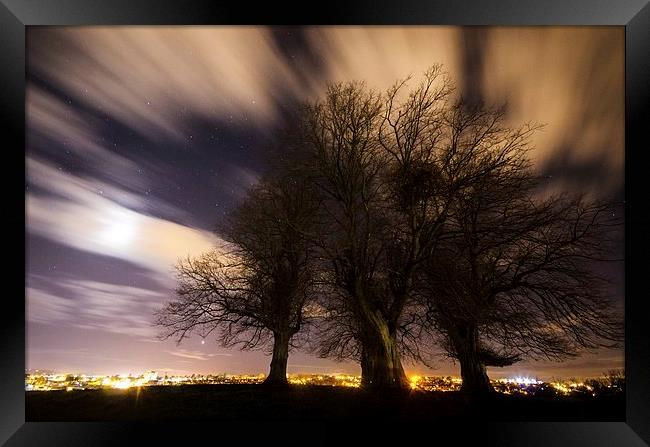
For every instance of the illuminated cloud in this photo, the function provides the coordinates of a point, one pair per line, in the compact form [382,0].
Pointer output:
[50,118]
[94,305]
[56,129]
[148,77]
[197,355]
[153,78]
[79,213]
[572,80]
[380,55]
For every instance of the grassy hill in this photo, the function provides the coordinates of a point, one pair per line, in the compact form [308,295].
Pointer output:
[250,402]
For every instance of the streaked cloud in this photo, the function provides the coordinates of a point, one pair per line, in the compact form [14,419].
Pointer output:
[82,215]
[94,305]
[197,355]
[380,55]
[572,80]
[148,77]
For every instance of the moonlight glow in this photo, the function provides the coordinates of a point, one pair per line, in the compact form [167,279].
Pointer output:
[118,233]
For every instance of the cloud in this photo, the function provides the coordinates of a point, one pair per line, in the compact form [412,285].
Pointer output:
[196,355]
[63,136]
[571,79]
[54,127]
[149,77]
[44,307]
[95,305]
[380,55]
[51,118]
[81,215]
[152,78]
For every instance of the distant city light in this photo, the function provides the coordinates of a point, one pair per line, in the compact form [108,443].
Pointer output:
[121,384]
[40,381]
[521,380]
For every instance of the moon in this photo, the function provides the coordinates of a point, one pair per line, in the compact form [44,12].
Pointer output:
[118,233]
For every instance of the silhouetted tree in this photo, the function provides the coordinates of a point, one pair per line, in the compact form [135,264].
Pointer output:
[389,169]
[253,293]
[341,133]
[416,193]
[397,216]
[514,274]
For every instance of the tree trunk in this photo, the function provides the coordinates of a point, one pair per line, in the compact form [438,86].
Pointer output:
[278,372]
[472,369]
[381,366]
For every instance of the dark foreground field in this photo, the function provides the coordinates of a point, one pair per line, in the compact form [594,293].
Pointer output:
[237,402]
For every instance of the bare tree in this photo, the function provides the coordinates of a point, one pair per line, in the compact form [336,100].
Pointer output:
[416,194]
[399,215]
[341,133]
[256,292]
[389,169]
[514,274]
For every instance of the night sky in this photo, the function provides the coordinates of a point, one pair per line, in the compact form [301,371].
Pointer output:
[140,139]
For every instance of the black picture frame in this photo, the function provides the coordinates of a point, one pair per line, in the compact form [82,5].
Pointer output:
[634,15]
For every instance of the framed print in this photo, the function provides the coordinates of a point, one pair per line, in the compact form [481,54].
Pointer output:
[399,222]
